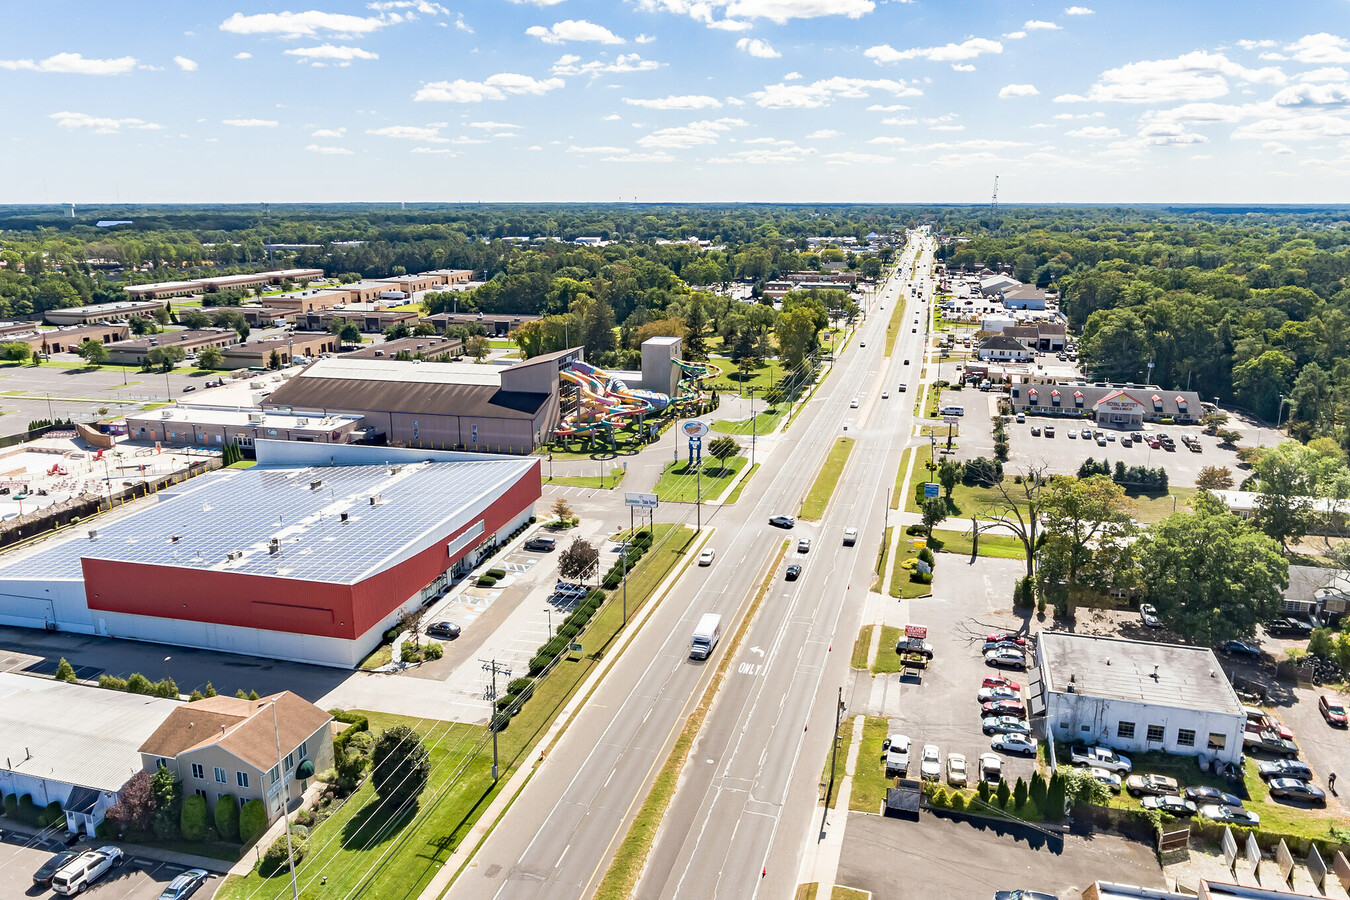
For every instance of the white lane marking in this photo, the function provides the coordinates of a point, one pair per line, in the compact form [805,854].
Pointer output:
[560,858]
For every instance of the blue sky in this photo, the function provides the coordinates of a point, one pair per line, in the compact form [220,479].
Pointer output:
[674,100]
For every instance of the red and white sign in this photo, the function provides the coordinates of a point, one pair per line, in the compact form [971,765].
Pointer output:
[916,631]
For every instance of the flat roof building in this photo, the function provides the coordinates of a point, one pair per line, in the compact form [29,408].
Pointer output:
[370,321]
[252,354]
[434,347]
[66,340]
[162,290]
[133,352]
[103,312]
[206,426]
[309,556]
[1138,696]
[497,325]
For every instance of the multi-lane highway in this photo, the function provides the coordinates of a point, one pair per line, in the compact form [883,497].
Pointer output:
[749,786]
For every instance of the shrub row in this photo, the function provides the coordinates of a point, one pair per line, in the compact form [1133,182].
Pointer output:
[137,683]
[641,543]
[487,580]
[358,723]
[22,808]
[570,628]
[273,861]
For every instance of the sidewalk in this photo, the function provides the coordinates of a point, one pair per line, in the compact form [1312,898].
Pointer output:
[820,863]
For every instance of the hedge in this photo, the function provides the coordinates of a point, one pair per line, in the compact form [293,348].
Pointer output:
[252,820]
[51,815]
[192,819]
[497,573]
[12,805]
[358,723]
[485,581]
[227,817]
[274,859]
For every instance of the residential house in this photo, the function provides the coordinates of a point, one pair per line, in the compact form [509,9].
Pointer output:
[1004,349]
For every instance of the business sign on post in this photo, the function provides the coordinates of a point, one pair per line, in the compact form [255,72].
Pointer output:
[930,490]
[693,428]
[951,420]
[641,501]
[916,631]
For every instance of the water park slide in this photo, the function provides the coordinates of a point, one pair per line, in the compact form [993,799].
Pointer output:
[607,402]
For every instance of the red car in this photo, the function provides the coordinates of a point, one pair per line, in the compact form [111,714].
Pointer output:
[1332,711]
[1001,681]
[1005,708]
[1005,637]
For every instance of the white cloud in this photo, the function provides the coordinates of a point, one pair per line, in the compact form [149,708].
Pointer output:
[1255,45]
[328,133]
[185,64]
[539,2]
[302,24]
[734,12]
[656,156]
[1095,133]
[897,120]
[757,48]
[72,64]
[445,150]
[613,117]
[1198,75]
[1295,125]
[342,54]
[574,30]
[793,76]
[680,137]
[967,49]
[962,67]
[1277,148]
[251,123]
[101,124]
[784,155]
[602,149]
[849,158]
[1320,48]
[1307,95]
[823,92]
[1199,114]
[571,64]
[946,128]
[243,54]
[887,107]
[822,134]
[422,6]
[495,87]
[1327,73]
[461,25]
[1039,25]
[1015,35]
[1070,98]
[430,134]
[887,140]
[1164,134]
[1078,11]
[330,151]
[1017,90]
[686,101]
[494,126]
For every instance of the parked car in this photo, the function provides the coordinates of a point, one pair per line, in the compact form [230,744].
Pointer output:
[1086,434]
[1143,785]
[896,748]
[77,875]
[1006,659]
[1239,648]
[991,768]
[1013,742]
[45,872]
[1110,779]
[1206,794]
[1100,757]
[930,763]
[782,521]
[794,572]
[1229,815]
[1296,789]
[187,389]
[994,694]
[1269,741]
[1149,613]
[1170,804]
[1005,637]
[1287,627]
[1333,712]
[443,630]
[1002,645]
[1023,895]
[1284,768]
[184,885]
[541,544]
[1021,417]
[1005,708]
[1004,725]
[706,557]
[1035,431]
[1000,681]
[956,769]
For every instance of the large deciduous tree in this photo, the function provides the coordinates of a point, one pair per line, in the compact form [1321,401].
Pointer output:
[400,765]
[1212,575]
[579,561]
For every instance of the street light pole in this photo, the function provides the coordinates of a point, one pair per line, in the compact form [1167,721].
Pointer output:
[285,804]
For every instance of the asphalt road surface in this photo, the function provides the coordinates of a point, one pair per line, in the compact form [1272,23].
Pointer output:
[749,789]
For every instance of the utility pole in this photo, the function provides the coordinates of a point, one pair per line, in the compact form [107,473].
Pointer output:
[496,669]
[285,802]
[698,494]
[752,426]
[834,751]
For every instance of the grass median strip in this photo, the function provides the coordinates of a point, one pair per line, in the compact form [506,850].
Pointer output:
[827,479]
[900,477]
[888,661]
[622,876]
[893,327]
[740,486]
[869,776]
[861,646]
[882,555]
[901,584]
[590,481]
[844,739]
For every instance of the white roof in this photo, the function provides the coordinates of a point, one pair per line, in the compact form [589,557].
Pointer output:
[1246,501]
[75,734]
[206,415]
[404,370]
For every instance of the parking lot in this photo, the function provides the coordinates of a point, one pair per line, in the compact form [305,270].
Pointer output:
[137,877]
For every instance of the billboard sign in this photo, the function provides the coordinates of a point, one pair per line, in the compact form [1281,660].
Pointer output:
[641,501]
[693,428]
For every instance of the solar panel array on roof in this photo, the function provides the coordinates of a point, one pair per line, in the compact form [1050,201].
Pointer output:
[333,524]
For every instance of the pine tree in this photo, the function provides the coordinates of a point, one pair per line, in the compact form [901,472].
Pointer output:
[65,671]
[1038,789]
[1003,794]
[1054,801]
[983,791]
[1020,794]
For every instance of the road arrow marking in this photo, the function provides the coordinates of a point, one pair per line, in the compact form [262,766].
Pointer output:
[757,650]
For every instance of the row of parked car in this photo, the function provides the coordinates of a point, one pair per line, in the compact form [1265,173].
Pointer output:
[72,872]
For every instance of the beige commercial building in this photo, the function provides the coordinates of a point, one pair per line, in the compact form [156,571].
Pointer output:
[205,426]
[133,352]
[66,340]
[252,354]
[225,747]
[103,312]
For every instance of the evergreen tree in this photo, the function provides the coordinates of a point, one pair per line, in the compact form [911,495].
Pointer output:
[168,801]
[1038,789]
[695,324]
[599,336]
[1020,794]
[1003,794]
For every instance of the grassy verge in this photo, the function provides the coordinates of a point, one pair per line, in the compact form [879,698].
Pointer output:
[361,856]
[901,585]
[679,483]
[997,546]
[761,377]
[888,661]
[740,485]
[764,422]
[844,739]
[827,479]
[861,646]
[882,555]
[590,481]
[807,891]
[900,477]
[839,892]
[869,776]
[893,327]
[243,464]
[382,655]
[623,872]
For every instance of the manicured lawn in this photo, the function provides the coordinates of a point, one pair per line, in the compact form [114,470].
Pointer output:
[243,464]
[826,480]
[869,776]
[761,377]
[839,892]
[843,739]
[888,661]
[807,891]
[740,485]
[900,477]
[997,546]
[901,585]
[764,421]
[591,481]
[681,484]
[502,345]
[380,656]
[882,555]
[861,646]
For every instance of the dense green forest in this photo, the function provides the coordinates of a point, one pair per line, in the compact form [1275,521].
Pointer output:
[1246,304]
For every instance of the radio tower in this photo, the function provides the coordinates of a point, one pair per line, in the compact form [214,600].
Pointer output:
[993,203]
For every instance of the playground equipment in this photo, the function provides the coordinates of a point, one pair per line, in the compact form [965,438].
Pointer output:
[608,404]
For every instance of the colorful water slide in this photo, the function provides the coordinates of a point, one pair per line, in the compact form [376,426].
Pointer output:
[606,402]
[692,376]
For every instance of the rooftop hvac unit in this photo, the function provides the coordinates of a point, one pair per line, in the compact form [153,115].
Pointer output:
[376,499]
[274,546]
[93,534]
[256,418]
[234,554]
[315,485]
[166,414]
[342,517]
[302,421]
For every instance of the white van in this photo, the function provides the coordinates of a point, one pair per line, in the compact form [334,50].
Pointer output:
[706,635]
[953,410]
[85,869]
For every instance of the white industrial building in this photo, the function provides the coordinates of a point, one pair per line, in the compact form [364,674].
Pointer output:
[1138,696]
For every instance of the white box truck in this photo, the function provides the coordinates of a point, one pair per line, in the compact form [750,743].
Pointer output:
[706,635]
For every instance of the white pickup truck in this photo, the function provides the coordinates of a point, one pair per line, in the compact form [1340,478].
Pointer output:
[1099,757]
